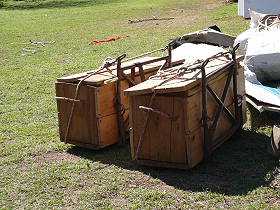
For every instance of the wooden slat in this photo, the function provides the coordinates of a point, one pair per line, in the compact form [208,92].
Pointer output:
[195,147]
[161,129]
[178,135]
[163,164]
[62,118]
[138,124]
[109,130]
[240,81]
[92,95]
[131,127]
[260,106]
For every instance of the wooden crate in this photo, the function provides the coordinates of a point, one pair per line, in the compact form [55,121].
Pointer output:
[174,133]
[94,123]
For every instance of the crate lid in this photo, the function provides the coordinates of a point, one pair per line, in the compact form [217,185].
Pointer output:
[183,83]
[103,76]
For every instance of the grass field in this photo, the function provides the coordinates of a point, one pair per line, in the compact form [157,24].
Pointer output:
[39,172]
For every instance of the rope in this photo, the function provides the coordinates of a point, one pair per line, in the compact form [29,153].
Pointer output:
[176,72]
[147,53]
[106,64]
[145,109]
[169,75]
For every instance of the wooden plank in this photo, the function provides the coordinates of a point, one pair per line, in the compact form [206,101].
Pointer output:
[62,118]
[106,100]
[138,126]
[92,96]
[131,133]
[244,110]
[195,142]
[163,164]
[241,92]
[183,83]
[240,82]
[79,128]
[109,130]
[178,135]
[161,129]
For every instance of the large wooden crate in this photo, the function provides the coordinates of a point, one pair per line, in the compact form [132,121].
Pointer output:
[94,122]
[174,133]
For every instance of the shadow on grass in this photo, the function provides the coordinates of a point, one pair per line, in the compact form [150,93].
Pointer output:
[40,4]
[239,166]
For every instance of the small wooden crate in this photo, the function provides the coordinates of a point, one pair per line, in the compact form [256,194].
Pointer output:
[174,134]
[94,123]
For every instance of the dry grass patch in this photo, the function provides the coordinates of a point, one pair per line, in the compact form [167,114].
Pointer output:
[57,157]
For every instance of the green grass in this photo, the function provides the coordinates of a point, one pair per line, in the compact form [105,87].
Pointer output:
[39,172]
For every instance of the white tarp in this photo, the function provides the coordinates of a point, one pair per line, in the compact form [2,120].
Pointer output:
[263,93]
[263,55]
[193,52]
[261,48]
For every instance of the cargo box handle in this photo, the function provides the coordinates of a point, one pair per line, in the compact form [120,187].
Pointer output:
[147,109]
[67,99]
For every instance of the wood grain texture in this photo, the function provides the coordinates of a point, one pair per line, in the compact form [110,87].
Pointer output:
[178,133]
[108,130]
[138,122]
[160,128]
[195,144]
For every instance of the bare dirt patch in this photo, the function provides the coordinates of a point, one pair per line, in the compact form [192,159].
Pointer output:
[183,18]
[180,21]
[212,6]
[56,157]
[50,157]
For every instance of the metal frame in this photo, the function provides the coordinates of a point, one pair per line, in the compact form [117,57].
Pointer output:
[210,128]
